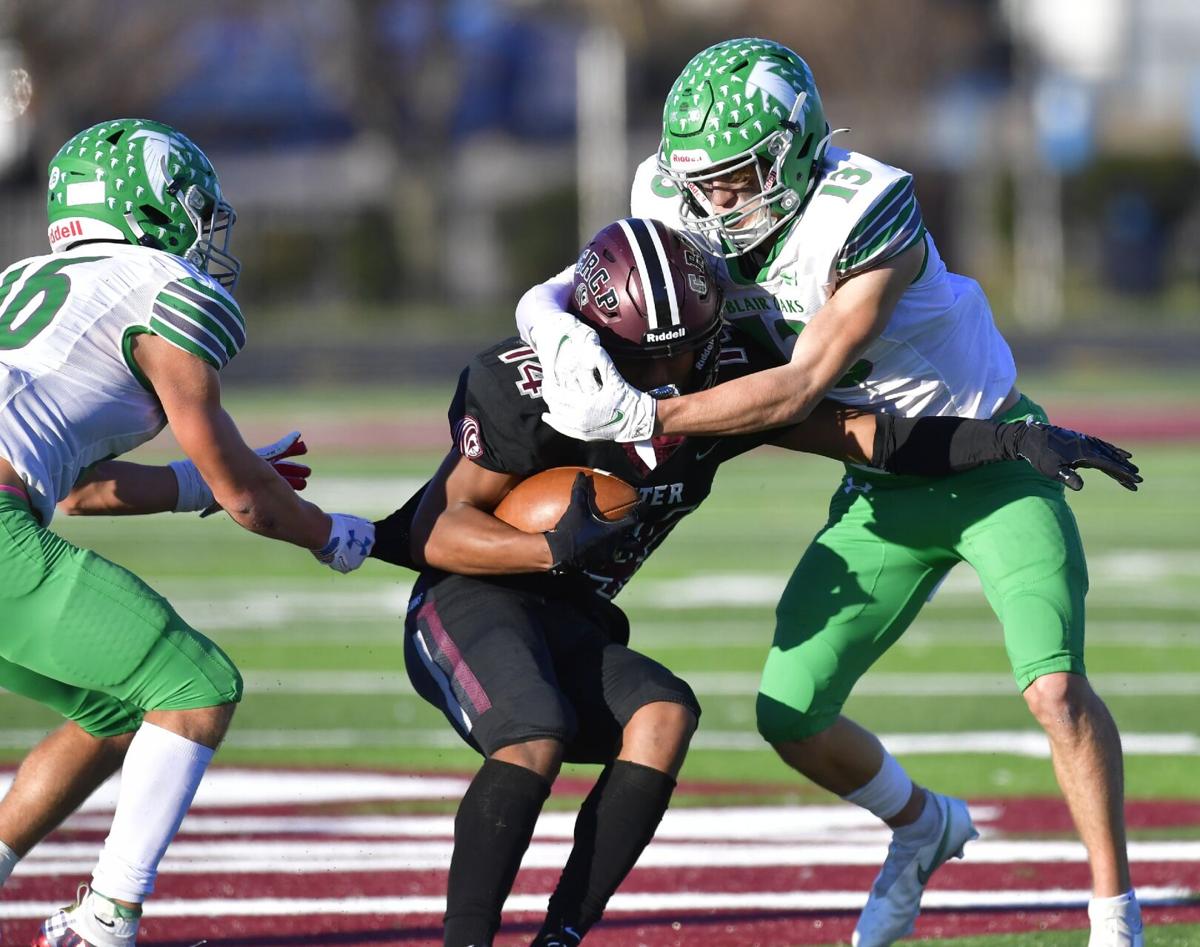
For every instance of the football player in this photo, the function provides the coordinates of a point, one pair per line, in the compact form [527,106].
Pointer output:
[824,256]
[121,329]
[514,636]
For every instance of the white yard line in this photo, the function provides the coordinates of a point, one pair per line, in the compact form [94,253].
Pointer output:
[1118,575]
[827,824]
[306,857]
[620,903]
[234,788]
[743,683]
[743,837]
[364,495]
[1030,743]
[1150,578]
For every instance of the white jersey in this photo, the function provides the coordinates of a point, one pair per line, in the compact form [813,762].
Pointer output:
[70,392]
[940,352]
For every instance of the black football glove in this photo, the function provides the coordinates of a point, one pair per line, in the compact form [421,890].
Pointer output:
[582,536]
[1056,452]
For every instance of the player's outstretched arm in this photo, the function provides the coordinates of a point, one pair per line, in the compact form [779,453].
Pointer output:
[120,488]
[854,315]
[601,405]
[247,486]
[955,444]
[944,445]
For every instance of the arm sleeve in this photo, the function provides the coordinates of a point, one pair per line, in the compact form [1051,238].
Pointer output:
[392,533]
[548,298]
[890,226]
[933,447]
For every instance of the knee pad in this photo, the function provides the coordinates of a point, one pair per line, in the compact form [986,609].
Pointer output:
[676,690]
[795,700]
[184,671]
[781,723]
[1041,638]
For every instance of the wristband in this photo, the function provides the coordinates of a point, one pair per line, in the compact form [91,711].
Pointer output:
[194,493]
[349,544]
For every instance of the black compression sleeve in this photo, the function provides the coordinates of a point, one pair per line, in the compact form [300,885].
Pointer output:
[492,830]
[933,447]
[616,822]
[392,534]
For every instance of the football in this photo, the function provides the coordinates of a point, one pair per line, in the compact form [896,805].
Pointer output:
[537,503]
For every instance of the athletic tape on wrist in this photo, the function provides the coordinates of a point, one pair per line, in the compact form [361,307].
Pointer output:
[194,493]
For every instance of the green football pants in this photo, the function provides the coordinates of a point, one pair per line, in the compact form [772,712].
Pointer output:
[889,541]
[91,640]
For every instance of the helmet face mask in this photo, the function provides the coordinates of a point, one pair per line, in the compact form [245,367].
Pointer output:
[141,182]
[650,294]
[213,220]
[743,104]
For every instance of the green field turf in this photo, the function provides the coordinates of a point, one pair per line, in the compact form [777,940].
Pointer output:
[322,652]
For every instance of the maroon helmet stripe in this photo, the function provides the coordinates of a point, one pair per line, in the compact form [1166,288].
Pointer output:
[658,292]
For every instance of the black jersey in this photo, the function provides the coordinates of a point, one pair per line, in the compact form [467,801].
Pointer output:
[496,422]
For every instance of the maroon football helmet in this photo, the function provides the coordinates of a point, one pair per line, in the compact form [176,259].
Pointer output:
[649,292]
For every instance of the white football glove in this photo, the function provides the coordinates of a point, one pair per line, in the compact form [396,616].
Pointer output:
[351,539]
[194,493]
[612,410]
[569,351]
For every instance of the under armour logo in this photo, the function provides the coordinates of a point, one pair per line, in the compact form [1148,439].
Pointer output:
[363,544]
[860,487]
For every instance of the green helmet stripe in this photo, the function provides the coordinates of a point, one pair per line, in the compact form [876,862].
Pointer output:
[187,343]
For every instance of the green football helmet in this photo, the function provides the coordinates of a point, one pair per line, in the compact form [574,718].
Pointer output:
[142,182]
[748,106]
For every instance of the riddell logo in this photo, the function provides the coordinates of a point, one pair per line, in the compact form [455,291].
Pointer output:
[64,230]
[667,335]
[688,156]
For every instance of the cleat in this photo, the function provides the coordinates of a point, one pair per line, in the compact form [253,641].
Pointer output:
[91,921]
[563,937]
[895,899]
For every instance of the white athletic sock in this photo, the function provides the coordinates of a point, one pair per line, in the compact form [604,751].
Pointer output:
[8,861]
[927,823]
[1124,906]
[161,774]
[887,792]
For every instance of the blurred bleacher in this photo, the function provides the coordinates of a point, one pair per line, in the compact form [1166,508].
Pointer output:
[403,169]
